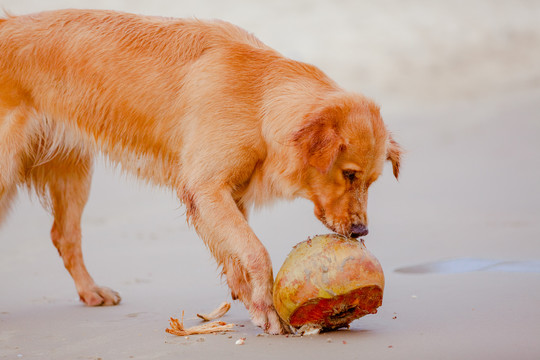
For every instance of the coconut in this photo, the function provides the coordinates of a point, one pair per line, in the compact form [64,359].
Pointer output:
[326,282]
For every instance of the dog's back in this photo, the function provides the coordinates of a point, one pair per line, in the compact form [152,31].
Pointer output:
[81,81]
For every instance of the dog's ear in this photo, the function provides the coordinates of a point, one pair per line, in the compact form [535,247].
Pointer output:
[319,141]
[393,154]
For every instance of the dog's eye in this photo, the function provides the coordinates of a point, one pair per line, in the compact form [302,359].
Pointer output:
[349,175]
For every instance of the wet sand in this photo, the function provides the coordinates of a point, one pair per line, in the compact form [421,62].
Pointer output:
[459,88]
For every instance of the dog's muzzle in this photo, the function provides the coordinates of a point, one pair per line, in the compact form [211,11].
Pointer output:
[358,230]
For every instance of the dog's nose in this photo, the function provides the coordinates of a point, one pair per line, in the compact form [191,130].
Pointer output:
[359,230]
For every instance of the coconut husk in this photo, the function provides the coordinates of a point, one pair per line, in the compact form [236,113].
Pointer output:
[177,327]
[217,313]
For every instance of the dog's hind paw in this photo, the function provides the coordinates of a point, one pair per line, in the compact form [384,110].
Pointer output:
[100,296]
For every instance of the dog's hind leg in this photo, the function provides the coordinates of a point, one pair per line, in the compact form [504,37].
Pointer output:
[66,178]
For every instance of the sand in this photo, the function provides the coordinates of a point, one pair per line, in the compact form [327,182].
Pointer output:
[459,85]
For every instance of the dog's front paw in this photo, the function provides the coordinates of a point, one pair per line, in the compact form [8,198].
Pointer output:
[100,296]
[266,317]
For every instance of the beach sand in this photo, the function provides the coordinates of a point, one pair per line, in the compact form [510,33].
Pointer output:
[459,86]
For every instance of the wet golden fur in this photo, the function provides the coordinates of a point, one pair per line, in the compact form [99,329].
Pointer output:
[201,107]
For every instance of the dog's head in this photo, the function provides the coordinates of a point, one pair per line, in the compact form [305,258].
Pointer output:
[343,146]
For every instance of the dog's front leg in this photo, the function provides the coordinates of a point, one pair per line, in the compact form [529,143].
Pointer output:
[244,259]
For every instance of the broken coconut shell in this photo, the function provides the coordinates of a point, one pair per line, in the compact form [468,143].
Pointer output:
[327,282]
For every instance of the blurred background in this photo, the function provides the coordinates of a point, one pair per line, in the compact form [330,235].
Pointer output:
[459,86]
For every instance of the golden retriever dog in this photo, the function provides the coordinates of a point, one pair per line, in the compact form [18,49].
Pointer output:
[201,107]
